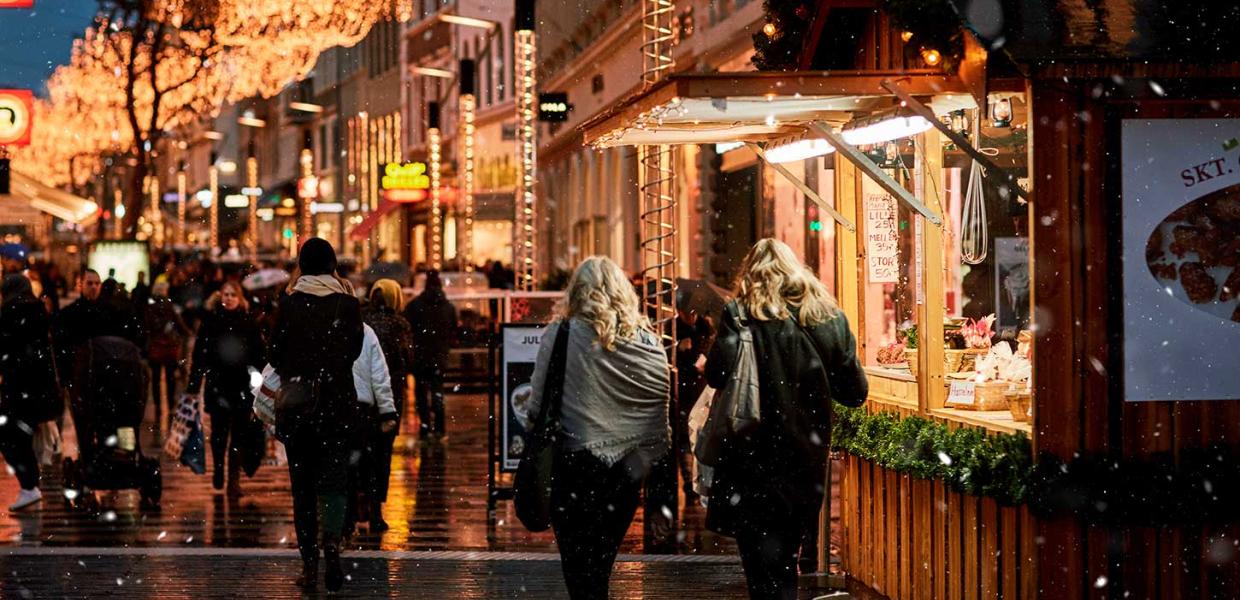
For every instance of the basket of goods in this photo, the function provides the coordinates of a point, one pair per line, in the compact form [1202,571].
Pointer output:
[892,356]
[1019,400]
[994,372]
[909,335]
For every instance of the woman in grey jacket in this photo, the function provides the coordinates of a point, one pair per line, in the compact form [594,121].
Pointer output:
[614,416]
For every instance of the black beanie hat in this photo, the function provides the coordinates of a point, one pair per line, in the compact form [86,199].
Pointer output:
[316,257]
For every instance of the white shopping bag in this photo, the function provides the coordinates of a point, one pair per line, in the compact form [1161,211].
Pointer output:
[47,443]
[265,396]
[703,475]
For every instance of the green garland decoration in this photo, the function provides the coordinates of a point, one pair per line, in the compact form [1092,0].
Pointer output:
[966,458]
[779,49]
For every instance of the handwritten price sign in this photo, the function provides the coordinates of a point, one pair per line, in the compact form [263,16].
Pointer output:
[881,239]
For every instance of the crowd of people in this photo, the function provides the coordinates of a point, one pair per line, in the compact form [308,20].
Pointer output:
[336,363]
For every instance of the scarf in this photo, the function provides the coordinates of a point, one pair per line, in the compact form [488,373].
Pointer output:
[322,285]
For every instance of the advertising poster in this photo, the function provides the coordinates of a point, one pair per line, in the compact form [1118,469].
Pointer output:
[1181,258]
[517,356]
[1011,284]
[881,239]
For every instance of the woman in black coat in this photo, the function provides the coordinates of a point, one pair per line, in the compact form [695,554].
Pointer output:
[316,338]
[29,394]
[228,346]
[768,486]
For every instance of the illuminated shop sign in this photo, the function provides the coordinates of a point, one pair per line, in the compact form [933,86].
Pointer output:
[553,107]
[405,182]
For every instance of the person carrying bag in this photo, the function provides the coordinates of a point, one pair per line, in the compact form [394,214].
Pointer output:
[532,485]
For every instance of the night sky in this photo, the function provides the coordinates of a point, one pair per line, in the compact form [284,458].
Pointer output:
[34,41]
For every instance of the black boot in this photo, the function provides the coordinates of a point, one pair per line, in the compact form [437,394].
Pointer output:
[333,576]
[377,524]
[217,478]
[309,578]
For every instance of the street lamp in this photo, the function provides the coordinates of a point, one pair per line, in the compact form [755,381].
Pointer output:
[181,202]
[524,256]
[213,184]
[251,190]
[468,106]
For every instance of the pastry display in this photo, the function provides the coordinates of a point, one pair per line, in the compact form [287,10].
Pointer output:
[1194,253]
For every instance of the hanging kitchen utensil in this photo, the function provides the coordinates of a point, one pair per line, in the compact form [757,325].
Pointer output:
[974,236]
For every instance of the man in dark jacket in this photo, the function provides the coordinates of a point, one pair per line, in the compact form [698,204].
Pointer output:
[433,319]
[85,318]
[29,394]
[316,338]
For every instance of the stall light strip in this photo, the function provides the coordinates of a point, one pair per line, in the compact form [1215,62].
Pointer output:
[800,185]
[990,169]
[856,157]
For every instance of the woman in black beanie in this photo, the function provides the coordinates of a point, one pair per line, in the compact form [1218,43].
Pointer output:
[316,339]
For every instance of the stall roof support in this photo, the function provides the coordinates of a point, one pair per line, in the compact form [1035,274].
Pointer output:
[856,157]
[805,189]
[1005,181]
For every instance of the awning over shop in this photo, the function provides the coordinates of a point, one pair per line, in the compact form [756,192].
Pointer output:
[362,230]
[58,203]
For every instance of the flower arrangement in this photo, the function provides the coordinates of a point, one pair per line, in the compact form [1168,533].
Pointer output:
[977,332]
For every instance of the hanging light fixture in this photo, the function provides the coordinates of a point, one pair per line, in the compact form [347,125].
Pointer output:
[884,127]
[1001,113]
[797,147]
[931,56]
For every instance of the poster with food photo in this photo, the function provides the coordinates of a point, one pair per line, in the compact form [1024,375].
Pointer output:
[517,357]
[1181,270]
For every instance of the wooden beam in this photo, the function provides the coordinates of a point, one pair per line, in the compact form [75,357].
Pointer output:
[1005,180]
[863,162]
[930,381]
[800,185]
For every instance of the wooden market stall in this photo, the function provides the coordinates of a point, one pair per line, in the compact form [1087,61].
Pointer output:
[1108,468]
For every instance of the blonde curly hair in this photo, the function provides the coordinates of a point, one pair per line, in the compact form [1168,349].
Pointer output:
[600,294]
[772,278]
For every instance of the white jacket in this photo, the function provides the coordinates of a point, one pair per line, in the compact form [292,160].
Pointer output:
[370,374]
[370,377]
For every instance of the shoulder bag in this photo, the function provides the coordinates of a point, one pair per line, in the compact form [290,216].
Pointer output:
[532,485]
[736,409]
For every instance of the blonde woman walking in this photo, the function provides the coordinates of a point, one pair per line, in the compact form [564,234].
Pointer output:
[614,417]
[768,486]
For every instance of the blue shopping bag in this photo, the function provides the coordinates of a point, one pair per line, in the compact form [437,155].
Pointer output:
[193,451]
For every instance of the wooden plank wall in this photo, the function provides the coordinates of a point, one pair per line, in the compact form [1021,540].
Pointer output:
[912,539]
[1077,360]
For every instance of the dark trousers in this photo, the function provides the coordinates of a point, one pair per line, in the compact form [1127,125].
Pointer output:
[770,562]
[169,372]
[318,474]
[428,390]
[225,423]
[368,478]
[592,506]
[17,446]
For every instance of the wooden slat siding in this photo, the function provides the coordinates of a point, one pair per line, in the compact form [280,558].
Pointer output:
[908,554]
[874,517]
[971,532]
[1009,574]
[955,546]
[852,534]
[1057,362]
[894,529]
[991,556]
[924,563]
[864,523]
[1029,557]
[938,529]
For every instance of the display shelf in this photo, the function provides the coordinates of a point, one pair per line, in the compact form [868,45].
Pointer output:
[893,387]
[999,421]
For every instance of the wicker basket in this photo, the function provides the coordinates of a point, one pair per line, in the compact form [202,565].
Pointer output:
[989,396]
[910,354]
[1018,403]
[962,361]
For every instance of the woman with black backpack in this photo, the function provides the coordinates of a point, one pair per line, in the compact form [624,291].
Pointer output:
[769,481]
[29,394]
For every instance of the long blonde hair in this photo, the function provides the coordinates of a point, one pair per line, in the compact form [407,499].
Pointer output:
[772,278]
[602,296]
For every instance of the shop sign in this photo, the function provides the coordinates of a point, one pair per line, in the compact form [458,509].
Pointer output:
[960,393]
[308,187]
[553,107]
[1180,217]
[405,182]
[881,239]
[16,3]
[517,357]
[16,116]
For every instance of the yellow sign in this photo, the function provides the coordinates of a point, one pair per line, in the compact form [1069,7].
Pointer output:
[16,107]
[405,176]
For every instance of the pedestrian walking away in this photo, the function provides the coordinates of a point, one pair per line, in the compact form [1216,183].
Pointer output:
[614,415]
[166,335]
[379,419]
[29,392]
[317,337]
[433,319]
[769,483]
[383,315]
[228,347]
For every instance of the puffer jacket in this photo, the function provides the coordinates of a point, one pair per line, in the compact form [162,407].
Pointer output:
[370,377]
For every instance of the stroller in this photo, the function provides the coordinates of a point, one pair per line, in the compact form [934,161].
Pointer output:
[107,408]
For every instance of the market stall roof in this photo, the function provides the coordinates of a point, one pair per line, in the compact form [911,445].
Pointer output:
[58,203]
[706,108]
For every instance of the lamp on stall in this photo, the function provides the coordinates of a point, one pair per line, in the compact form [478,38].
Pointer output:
[883,127]
[796,147]
[1001,113]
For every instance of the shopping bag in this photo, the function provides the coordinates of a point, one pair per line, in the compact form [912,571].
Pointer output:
[703,474]
[532,483]
[265,396]
[187,414]
[47,443]
[194,451]
[735,411]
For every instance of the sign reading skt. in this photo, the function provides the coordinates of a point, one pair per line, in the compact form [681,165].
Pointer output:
[16,3]
[553,107]
[405,182]
[16,116]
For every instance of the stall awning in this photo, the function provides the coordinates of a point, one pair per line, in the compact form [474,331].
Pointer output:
[58,203]
[363,229]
